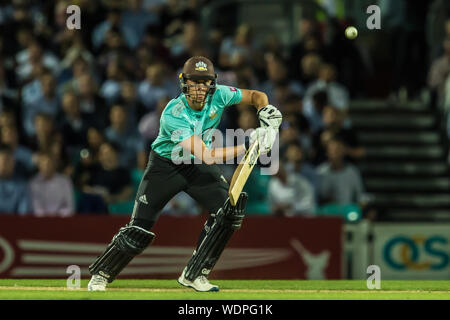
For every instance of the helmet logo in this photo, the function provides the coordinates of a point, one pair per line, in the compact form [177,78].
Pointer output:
[201,66]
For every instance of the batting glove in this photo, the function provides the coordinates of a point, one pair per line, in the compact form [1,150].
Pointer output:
[270,117]
[266,138]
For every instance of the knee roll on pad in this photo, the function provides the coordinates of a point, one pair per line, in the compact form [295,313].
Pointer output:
[227,220]
[126,244]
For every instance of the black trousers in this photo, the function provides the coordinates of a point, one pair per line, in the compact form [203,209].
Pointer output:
[163,179]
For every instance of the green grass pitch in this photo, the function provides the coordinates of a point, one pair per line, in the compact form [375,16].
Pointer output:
[24,289]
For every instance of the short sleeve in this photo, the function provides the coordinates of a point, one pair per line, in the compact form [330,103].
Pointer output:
[177,127]
[229,95]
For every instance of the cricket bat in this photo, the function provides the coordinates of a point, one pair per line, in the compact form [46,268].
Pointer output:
[242,172]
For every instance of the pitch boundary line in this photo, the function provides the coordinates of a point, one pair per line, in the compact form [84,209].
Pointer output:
[32,288]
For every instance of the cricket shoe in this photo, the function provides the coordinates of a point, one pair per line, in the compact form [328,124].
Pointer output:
[97,283]
[200,283]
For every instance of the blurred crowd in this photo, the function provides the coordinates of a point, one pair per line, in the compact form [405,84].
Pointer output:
[79,109]
[439,72]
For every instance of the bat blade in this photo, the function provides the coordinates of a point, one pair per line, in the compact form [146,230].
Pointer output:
[242,172]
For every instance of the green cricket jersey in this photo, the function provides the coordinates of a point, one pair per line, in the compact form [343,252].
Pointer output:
[179,122]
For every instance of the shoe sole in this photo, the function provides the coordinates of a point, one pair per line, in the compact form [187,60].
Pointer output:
[213,289]
[89,288]
[96,290]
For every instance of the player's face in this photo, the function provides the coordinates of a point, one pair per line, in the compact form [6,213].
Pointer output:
[197,90]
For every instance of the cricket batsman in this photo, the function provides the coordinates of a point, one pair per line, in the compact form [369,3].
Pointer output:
[183,124]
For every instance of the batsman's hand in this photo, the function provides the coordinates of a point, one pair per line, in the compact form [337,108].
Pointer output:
[266,138]
[270,117]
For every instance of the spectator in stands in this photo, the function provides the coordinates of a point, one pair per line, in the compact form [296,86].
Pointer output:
[73,126]
[92,105]
[23,157]
[129,99]
[313,109]
[243,74]
[338,95]
[126,137]
[113,21]
[106,183]
[247,118]
[153,41]
[439,72]
[340,182]
[278,75]
[32,57]
[292,109]
[95,139]
[8,94]
[47,102]
[149,124]
[188,44]
[144,57]
[438,27]
[296,162]
[289,132]
[333,126]
[306,28]
[45,128]
[215,36]
[51,192]
[309,68]
[325,91]
[273,45]
[115,75]
[291,194]
[173,15]
[23,37]
[37,71]
[404,23]
[14,192]
[334,119]
[88,156]
[242,44]
[60,156]
[8,117]
[59,30]
[73,48]
[136,19]
[155,86]
[76,70]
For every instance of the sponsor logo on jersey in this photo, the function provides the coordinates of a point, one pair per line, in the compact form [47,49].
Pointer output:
[212,114]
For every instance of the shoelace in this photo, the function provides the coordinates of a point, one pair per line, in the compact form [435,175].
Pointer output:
[203,280]
[100,280]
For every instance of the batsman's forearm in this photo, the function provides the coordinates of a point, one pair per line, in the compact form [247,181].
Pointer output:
[223,154]
[259,99]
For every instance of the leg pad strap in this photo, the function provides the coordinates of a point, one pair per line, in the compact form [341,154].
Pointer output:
[126,244]
[227,220]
